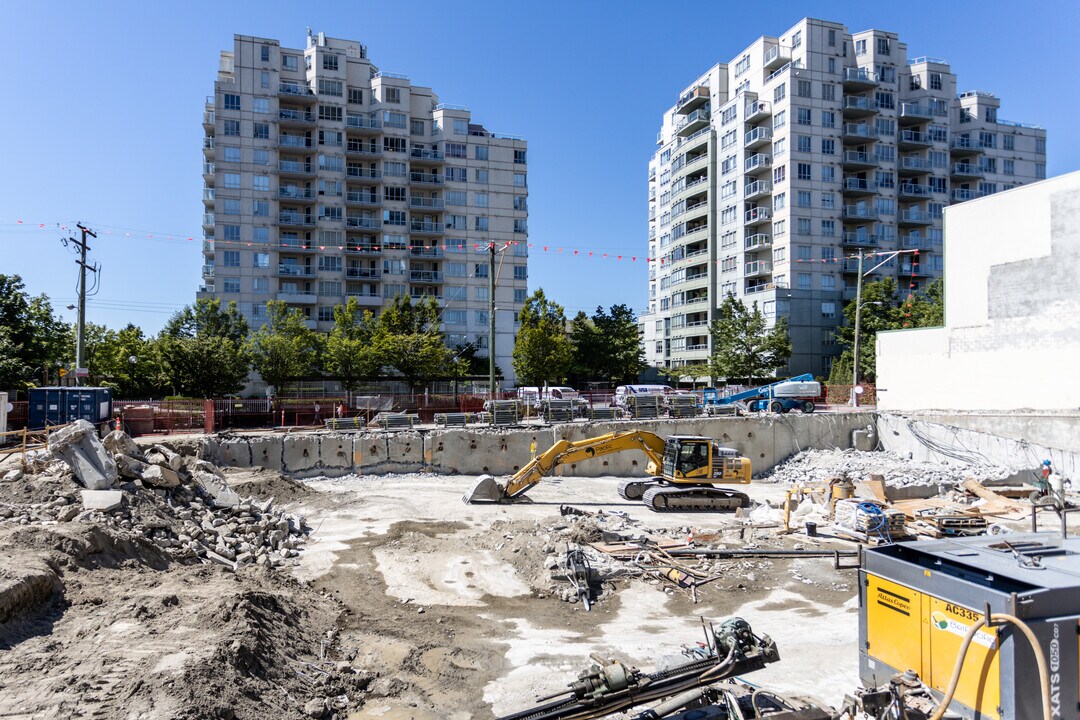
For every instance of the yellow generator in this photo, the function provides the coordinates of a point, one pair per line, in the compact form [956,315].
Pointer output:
[919,600]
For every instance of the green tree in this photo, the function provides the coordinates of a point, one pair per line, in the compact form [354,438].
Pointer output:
[607,346]
[125,360]
[743,344]
[35,340]
[350,353]
[542,352]
[285,348]
[201,350]
[695,372]
[408,338]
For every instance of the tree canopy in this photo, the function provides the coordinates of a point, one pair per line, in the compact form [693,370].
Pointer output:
[201,350]
[607,346]
[350,353]
[542,351]
[285,348]
[744,346]
[33,339]
[407,338]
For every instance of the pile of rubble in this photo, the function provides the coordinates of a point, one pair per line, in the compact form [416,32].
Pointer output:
[180,503]
[898,471]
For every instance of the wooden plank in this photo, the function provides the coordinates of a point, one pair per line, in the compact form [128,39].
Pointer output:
[876,487]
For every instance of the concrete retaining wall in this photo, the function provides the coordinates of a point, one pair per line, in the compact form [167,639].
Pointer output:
[765,440]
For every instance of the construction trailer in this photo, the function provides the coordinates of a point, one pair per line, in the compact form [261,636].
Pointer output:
[795,393]
[919,600]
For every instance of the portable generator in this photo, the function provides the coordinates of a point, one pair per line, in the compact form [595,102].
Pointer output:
[918,600]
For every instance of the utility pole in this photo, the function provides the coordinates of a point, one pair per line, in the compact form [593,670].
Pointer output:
[491,319]
[80,328]
[855,349]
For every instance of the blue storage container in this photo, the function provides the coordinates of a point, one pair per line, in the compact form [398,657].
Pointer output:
[60,405]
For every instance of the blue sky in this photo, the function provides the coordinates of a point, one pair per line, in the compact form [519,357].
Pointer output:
[102,113]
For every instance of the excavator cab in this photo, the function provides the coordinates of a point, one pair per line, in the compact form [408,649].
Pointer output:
[688,458]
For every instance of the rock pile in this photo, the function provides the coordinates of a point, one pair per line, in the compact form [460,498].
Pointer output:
[178,502]
[899,471]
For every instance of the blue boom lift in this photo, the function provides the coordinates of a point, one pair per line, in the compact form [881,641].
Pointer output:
[796,393]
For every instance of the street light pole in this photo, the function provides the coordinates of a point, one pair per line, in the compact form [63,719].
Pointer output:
[855,348]
[491,319]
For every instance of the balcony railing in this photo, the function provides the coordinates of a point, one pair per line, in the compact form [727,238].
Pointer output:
[915,215]
[760,134]
[295,219]
[961,194]
[287,88]
[860,212]
[422,202]
[295,193]
[354,273]
[287,270]
[296,116]
[426,154]
[914,137]
[426,252]
[295,141]
[757,267]
[755,215]
[755,189]
[967,169]
[859,130]
[855,157]
[360,172]
[363,249]
[914,163]
[369,223]
[757,241]
[857,102]
[914,189]
[360,121]
[359,198]
[915,110]
[856,184]
[294,166]
[428,178]
[208,271]
[425,227]
[757,161]
[208,219]
[860,75]
[858,238]
[295,245]
[425,276]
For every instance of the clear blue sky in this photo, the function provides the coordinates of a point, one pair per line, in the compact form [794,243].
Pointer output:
[102,113]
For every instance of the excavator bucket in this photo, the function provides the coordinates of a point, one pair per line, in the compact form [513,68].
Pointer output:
[486,489]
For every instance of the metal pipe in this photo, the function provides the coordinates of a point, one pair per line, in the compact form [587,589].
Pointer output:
[721,554]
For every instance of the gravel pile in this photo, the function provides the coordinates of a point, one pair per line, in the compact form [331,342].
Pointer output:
[899,471]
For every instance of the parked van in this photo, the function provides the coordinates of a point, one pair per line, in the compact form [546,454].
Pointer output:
[624,391]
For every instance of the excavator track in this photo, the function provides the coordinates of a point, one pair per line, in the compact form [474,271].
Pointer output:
[634,489]
[702,498]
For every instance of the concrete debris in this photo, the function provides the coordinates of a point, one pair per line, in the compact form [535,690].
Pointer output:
[216,488]
[172,460]
[160,476]
[821,465]
[78,445]
[119,442]
[13,475]
[102,500]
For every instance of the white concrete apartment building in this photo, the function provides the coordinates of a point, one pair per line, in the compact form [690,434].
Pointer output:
[326,178]
[772,172]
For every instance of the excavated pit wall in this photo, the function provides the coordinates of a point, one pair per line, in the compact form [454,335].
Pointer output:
[472,451]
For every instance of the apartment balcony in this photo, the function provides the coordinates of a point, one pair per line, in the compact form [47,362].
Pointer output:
[856,106]
[208,247]
[297,246]
[423,178]
[757,189]
[698,140]
[758,137]
[209,116]
[962,194]
[914,216]
[914,270]
[756,111]
[851,266]
[913,191]
[366,299]
[208,195]
[295,193]
[859,80]
[362,173]
[208,145]
[362,273]
[853,187]
[913,113]
[208,219]
[287,270]
[423,227]
[756,268]
[702,297]
[859,240]
[966,171]
[692,100]
[912,140]
[757,241]
[366,223]
[694,122]
[857,160]
[296,91]
[849,293]
[696,210]
[775,57]
[858,133]
[362,198]
[425,276]
[295,141]
[362,124]
[297,298]
[859,212]
[700,228]
[208,271]
[756,216]
[964,146]
[295,118]
[917,242]
[431,157]
[295,168]
[757,163]
[913,166]
[287,219]
[208,171]
[426,203]
[354,249]
[697,279]
[362,149]
[430,253]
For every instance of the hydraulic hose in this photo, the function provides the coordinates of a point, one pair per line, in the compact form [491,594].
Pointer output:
[1036,647]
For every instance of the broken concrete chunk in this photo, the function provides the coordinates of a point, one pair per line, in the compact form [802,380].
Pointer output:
[13,475]
[102,500]
[119,442]
[78,445]
[68,513]
[216,488]
[174,461]
[130,467]
[160,476]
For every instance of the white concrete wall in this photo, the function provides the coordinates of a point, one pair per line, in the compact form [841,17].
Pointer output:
[1012,310]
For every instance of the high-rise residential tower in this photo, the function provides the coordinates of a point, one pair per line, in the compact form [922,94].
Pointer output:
[775,171]
[326,178]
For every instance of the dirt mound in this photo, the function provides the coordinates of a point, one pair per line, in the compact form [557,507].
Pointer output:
[265,484]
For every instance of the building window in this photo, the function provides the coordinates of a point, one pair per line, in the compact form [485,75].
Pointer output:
[480,222]
[1007,165]
[461,127]
[832,66]
[480,199]
[803,143]
[260,131]
[260,208]
[803,171]
[260,235]
[481,177]
[260,157]
[392,95]
[803,198]
[828,282]
[828,228]
[935,81]
[232,128]
[231,285]
[231,102]
[290,63]
[333,88]
[521,202]
[455,150]
[393,217]
[260,260]
[779,147]
[356,96]
[804,281]
[780,201]
[455,197]
[231,181]
[261,105]
[828,200]
[804,88]
[1007,142]
[828,309]
[828,173]
[519,180]
[330,263]
[480,152]
[329,62]
[884,100]
[520,157]
[394,144]
[521,226]
[883,46]
[802,226]
[779,92]
[393,194]
[259,285]
[804,116]
[987,140]
[456,222]
[860,47]
[230,258]
[779,120]
[779,174]
[231,207]
[828,119]
[521,272]
[395,119]
[1040,146]
[828,146]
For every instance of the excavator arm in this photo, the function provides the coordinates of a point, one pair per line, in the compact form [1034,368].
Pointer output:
[566,451]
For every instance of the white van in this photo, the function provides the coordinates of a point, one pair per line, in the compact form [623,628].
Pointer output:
[624,391]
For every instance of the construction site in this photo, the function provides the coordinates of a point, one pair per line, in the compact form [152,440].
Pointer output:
[912,560]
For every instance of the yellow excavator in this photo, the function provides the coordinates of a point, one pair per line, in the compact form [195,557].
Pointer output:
[683,469]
